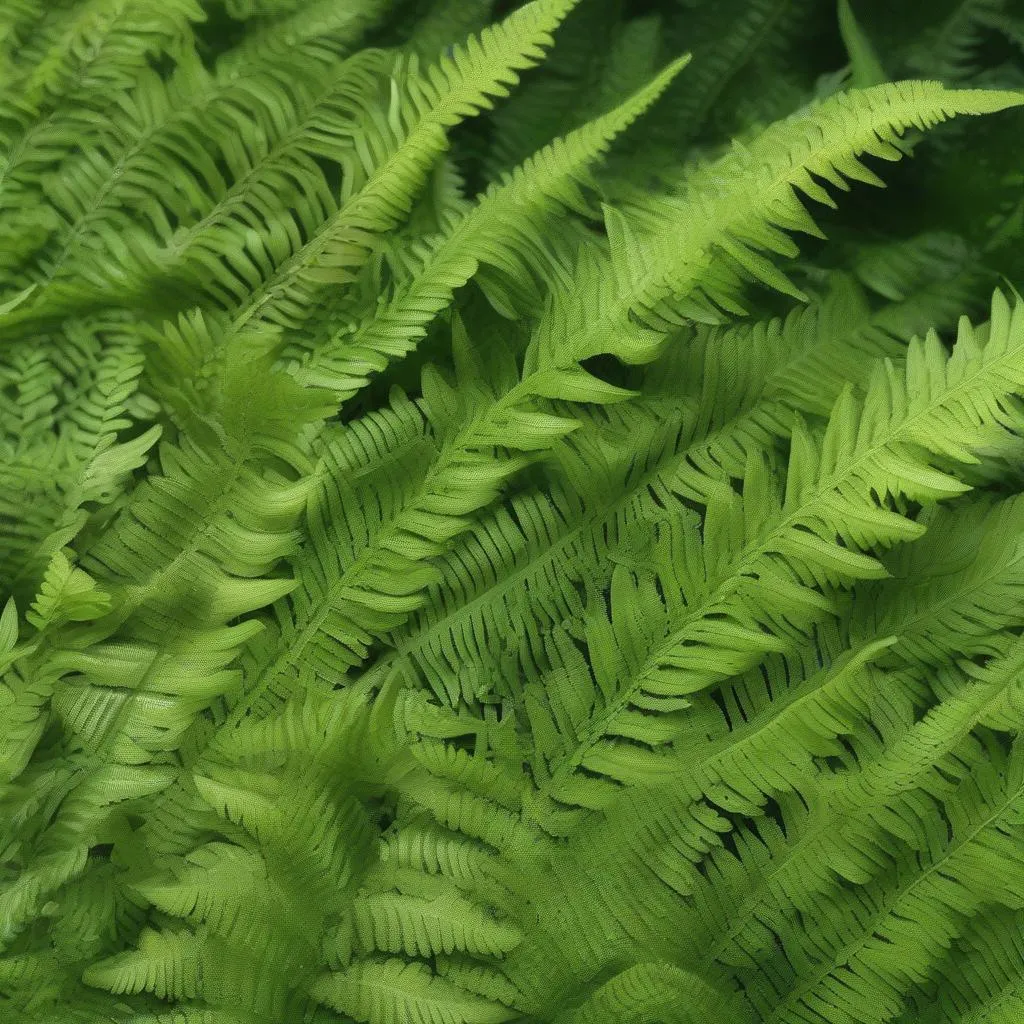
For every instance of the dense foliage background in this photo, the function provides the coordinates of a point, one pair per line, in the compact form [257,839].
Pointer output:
[500,520]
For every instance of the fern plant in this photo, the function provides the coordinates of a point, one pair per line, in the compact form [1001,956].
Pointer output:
[487,535]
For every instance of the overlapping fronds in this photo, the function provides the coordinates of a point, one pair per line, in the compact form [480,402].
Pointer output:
[462,560]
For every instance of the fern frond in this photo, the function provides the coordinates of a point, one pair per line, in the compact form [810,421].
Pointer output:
[723,37]
[394,990]
[442,593]
[547,181]
[529,570]
[947,51]
[317,33]
[132,686]
[895,270]
[446,23]
[393,922]
[66,594]
[728,233]
[89,805]
[986,987]
[384,158]
[565,90]
[115,184]
[894,928]
[651,652]
[413,136]
[88,467]
[865,68]
[855,817]
[636,994]
[965,588]
[368,584]
[84,52]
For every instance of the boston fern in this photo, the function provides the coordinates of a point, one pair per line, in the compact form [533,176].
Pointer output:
[485,535]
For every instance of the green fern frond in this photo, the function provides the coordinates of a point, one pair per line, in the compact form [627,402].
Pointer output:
[529,570]
[824,143]
[80,53]
[547,181]
[454,88]
[655,665]
[318,32]
[645,990]
[965,589]
[463,560]
[947,51]
[395,990]
[723,37]
[986,986]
